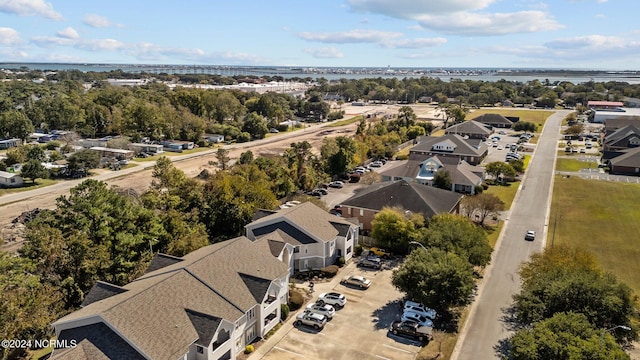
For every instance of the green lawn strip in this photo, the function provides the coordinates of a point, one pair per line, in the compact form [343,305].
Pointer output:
[171,153]
[601,217]
[506,193]
[438,132]
[493,233]
[346,121]
[28,185]
[563,164]
[537,117]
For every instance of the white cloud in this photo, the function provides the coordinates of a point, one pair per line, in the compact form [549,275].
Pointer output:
[29,8]
[9,36]
[350,37]
[414,43]
[325,53]
[99,44]
[601,1]
[467,23]
[600,16]
[97,21]
[68,33]
[408,8]
[591,42]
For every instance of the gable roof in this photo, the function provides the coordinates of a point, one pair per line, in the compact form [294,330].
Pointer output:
[468,127]
[152,313]
[205,325]
[299,221]
[629,158]
[95,341]
[274,242]
[100,291]
[463,173]
[462,146]
[621,136]
[411,196]
[162,260]
[8,175]
[492,119]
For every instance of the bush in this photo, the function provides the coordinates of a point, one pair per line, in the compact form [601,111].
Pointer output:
[248,349]
[284,311]
[330,271]
[479,189]
[340,261]
[485,186]
[357,251]
[402,157]
[295,300]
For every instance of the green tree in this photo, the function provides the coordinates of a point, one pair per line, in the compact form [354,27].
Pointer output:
[436,278]
[442,180]
[339,154]
[525,126]
[564,336]
[246,157]
[480,206]
[499,170]
[83,161]
[255,125]
[36,152]
[392,229]
[457,234]
[33,170]
[222,155]
[15,124]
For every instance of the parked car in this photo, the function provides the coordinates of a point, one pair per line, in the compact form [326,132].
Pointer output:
[415,317]
[336,184]
[334,299]
[420,309]
[376,164]
[315,192]
[530,235]
[274,131]
[379,252]
[500,147]
[371,262]
[325,309]
[316,321]
[356,280]
[411,329]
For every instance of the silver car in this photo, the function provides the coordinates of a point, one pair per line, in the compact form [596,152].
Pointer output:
[316,321]
[325,309]
[356,280]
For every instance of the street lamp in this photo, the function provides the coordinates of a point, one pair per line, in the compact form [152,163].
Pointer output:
[417,243]
[626,328]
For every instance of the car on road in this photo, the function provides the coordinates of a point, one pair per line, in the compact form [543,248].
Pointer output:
[334,299]
[420,309]
[530,235]
[372,262]
[336,184]
[379,252]
[316,321]
[357,280]
[411,329]
[325,309]
[408,315]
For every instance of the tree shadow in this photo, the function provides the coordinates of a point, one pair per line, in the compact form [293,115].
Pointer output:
[502,348]
[510,320]
[384,316]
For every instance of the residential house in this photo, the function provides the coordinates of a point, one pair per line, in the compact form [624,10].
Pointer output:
[89,143]
[410,196]
[146,148]
[214,138]
[464,177]
[604,105]
[472,151]
[206,305]
[470,129]
[494,120]
[602,116]
[317,237]
[613,124]
[9,179]
[628,163]
[623,138]
[9,143]
[114,153]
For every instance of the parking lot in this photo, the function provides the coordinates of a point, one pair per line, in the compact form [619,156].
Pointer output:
[358,331]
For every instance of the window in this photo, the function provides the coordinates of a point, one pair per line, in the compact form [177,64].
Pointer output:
[349,211]
[13,180]
[361,212]
[296,249]
[199,349]
[349,250]
[251,314]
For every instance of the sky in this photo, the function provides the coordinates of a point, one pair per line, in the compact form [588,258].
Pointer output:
[565,34]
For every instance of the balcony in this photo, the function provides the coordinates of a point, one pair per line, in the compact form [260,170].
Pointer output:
[271,317]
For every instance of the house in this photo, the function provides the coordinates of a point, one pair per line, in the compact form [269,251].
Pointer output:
[410,196]
[602,116]
[494,120]
[113,153]
[89,143]
[471,129]
[214,138]
[622,138]
[206,305]
[317,237]
[9,143]
[627,163]
[615,123]
[472,151]
[464,177]
[146,148]
[9,179]
[604,105]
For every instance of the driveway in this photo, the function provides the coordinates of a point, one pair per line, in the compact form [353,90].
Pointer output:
[487,324]
[358,331]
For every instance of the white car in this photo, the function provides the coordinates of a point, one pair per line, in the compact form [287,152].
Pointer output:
[314,320]
[420,309]
[415,317]
[500,147]
[356,280]
[376,164]
[335,299]
[326,310]
[530,235]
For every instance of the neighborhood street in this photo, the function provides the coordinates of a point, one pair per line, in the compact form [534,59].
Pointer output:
[486,325]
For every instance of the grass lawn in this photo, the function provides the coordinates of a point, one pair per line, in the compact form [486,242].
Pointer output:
[28,185]
[537,117]
[493,233]
[171,153]
[601,217]
[346,121]
[506,193]
[438,132]
[573,164]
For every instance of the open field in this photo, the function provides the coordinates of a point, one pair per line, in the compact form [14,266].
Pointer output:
[346,121]
[572,164]
[537,117]
[601,217]
[506,193]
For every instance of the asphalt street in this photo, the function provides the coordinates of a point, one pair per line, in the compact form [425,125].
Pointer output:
[488,324]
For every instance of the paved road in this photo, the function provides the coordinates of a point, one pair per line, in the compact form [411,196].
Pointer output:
[485,327]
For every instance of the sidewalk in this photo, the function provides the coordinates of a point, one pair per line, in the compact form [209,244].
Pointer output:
[263,347]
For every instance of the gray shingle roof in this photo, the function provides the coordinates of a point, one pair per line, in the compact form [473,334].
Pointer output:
[492,119]
[411,196]
[629,158]
[205,325]
[96,341]
[468,127]
[100,291]
[294,235]
[162,260]
[620,137]
[463,147]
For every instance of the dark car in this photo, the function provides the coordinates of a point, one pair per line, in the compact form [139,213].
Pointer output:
[411,329]
[371,262]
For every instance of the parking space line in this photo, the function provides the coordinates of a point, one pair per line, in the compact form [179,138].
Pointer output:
[395,348]
[382,357]
[289,351]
